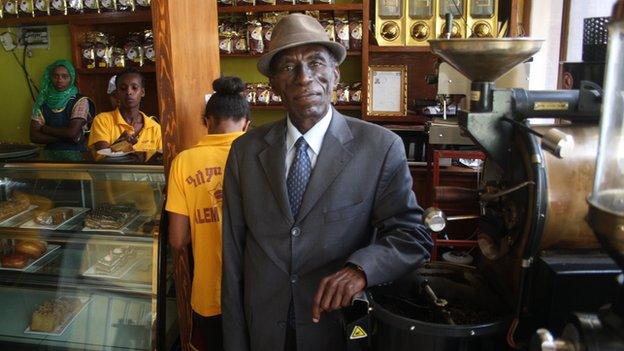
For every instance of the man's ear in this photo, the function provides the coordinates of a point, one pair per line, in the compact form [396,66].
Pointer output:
[336,76]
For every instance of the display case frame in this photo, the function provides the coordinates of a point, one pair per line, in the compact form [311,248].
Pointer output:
[150,294]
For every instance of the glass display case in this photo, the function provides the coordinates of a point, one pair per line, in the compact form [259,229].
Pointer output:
[82,263]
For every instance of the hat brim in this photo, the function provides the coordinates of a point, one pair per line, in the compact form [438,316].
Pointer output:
[264,64]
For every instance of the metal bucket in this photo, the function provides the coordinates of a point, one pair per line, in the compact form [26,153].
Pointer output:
[405,318]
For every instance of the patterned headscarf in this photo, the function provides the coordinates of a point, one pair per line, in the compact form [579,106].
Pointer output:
[48,95]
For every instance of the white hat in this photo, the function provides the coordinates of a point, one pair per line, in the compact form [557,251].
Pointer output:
[111,85]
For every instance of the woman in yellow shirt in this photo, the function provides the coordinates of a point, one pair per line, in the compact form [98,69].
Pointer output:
[194,205]
[127,122]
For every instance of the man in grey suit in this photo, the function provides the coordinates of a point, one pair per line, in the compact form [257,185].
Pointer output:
[317,206]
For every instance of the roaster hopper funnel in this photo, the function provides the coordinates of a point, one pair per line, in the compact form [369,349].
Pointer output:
[485,59]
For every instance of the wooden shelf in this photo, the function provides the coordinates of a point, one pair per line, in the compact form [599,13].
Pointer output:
[115,70]
[248,55]
[280,107]
[396,119]
[81,18]
[299,7]
[377,48]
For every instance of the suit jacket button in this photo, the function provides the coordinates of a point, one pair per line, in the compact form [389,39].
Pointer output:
[293,278]
[295,231]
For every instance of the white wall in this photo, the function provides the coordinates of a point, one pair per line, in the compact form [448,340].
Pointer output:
[579,10]
[546,24]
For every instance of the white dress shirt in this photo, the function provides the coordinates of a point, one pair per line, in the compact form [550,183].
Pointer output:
[314,138]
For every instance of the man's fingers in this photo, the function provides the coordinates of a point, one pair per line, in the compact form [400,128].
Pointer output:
[348,296]
[328,295]
[316,307]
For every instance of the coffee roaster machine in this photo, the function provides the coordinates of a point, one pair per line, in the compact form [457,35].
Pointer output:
[533,208]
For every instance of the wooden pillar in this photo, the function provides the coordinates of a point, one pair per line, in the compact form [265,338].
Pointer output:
[186,37]
[188,61]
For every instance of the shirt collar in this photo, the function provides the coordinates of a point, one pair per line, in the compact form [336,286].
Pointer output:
[148,122]
[219,139]
[314,136]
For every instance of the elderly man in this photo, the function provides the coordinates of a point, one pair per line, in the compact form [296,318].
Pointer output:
[317,206]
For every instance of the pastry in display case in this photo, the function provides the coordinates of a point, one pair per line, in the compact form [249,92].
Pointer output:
[82,265]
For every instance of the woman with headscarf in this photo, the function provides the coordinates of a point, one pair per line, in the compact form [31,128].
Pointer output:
[60,115]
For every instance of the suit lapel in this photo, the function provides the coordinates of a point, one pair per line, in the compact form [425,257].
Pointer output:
[330,162]
[273,160]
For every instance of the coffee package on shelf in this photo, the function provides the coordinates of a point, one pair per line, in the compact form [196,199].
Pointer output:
[323,1]
[42,7]
[246,3]
[134,50]
[305,2]
[263,94]
[108,5]
[355,97]
[125,5]
[255,37]
[10,8]
[225,29]
[118,57]
[143,3]
[75,6]
[275,98]
[58,7]
[342,94]
[327,21]
[92,5]
[149,51]
[355,33]
[265,2]
[239,38]
[285,2]
[88,55]
[341,24]
[225,3]
[102,55]
[27,8]
[250,93]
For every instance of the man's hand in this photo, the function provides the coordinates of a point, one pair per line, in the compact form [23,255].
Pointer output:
[337,290]
[131,138]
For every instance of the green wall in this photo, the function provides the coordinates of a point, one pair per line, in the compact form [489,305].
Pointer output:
[15,100]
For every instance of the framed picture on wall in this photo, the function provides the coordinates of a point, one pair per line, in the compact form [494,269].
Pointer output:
[387,90]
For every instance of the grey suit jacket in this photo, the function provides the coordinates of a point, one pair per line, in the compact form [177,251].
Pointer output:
[360,183]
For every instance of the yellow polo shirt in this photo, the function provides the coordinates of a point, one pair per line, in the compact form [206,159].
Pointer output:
[195,190]
[108,126]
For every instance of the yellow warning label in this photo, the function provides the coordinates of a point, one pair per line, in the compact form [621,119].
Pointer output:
[358,333]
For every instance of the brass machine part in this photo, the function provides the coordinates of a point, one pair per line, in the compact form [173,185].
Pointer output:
[569,180]
[390,22]
[420,22]
[482,18]
[458,29]
[485,59]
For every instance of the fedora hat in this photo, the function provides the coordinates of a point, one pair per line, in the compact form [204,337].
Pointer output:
[295,30]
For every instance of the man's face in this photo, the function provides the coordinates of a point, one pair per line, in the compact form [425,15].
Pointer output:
[305,76]
[130,91]
[60,78]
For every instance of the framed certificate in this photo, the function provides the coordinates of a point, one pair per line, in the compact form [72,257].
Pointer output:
[387,90]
